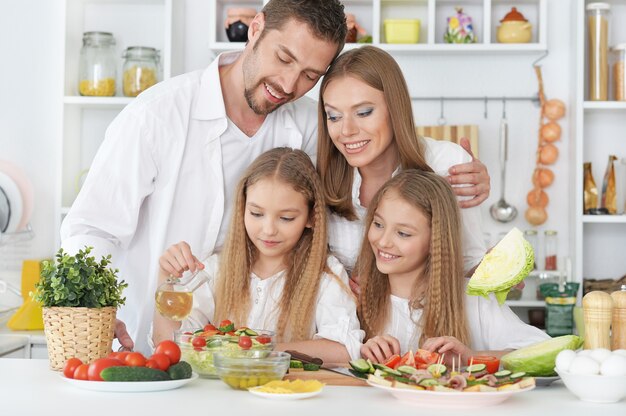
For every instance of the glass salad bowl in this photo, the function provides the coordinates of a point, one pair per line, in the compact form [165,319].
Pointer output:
[244,369]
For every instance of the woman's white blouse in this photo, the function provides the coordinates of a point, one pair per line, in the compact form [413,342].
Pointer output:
[491,326]
[345,237]
[335,314]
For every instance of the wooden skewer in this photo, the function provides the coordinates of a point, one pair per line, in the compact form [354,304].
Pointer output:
[470,366]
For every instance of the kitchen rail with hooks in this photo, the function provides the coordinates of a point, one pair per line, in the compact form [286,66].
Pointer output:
[485,99]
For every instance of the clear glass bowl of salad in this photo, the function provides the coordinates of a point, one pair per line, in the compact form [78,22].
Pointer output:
[244,369]
[197,347]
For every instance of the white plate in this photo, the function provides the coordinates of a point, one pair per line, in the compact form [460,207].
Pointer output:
[283,396]
[450,399]
[15,200]
[129,386]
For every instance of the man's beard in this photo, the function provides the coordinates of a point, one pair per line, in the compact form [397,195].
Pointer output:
[261,110]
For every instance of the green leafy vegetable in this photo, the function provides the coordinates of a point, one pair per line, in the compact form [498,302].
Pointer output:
[79,281]
[506,265]
[538,359]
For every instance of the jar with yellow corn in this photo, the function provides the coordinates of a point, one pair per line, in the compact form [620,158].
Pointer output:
[140,69]
[97,66]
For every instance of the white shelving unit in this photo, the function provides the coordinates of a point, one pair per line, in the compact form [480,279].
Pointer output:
[599,132]
[85,119]
[370,14]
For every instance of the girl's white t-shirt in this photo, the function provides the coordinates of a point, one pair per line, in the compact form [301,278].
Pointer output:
[335,313]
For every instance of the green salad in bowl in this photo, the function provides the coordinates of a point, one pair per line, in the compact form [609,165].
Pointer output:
[197,347]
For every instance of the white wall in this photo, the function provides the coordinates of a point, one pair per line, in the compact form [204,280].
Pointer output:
[30,102]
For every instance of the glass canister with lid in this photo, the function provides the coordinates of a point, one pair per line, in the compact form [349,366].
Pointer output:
[97,67]
[598,15]
[141,69]
[619,75]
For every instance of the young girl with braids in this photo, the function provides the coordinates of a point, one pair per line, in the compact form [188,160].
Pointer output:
[274,272]
[412,285]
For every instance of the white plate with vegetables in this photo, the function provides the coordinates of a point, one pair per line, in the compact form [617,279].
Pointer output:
[129,386]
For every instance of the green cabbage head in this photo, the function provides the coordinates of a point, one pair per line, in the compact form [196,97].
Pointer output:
[538,359]
[506,265]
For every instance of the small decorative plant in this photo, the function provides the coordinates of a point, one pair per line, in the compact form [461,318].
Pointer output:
[79,281]
[80,297]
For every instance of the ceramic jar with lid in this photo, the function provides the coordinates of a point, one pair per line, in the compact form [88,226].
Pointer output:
[514,28]
[237,22]
[141,68]
[98,66]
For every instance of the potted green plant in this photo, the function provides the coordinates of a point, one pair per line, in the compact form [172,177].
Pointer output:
[80,297]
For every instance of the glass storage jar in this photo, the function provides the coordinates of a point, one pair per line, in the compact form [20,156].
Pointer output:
[598,15]
[549,249]
[97,67]
[532,237]
[619,76]
[141,68]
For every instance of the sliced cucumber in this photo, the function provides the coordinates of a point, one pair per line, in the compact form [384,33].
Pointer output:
[369,362]
[438,369]
[361,365]
[502,373]
[476,368]
[251,332]
[385,369]
[518,375]
[407,369]
[295,364]
[310,367]
[427,382]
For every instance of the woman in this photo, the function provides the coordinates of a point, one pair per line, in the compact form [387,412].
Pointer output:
[366,135]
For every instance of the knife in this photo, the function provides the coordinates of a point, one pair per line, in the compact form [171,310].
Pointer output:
[297,355]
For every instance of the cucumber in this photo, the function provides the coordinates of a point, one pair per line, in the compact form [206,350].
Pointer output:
[476,368]
[361,365]
[502,373]
[407,369]
[385,369]
[427,382]
[518,375]
[180,370]
[133,374]
[439,369]
[310,367]
[251,332]
[369,362]
[295,364]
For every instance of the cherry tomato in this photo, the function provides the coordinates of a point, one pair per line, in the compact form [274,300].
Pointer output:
[121,355]
[135,359]
[81,372]
[70,366]
[100,364]
[169,348]
[151,363]
[264,339]
[426,356]
[209,327]
[198,343]
[162,361]
[225,322]
[245,342]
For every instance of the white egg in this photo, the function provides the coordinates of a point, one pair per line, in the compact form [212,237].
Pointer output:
[584,353]
[584,365]
[564,360]
[621,352]
[600,354]
[614,365]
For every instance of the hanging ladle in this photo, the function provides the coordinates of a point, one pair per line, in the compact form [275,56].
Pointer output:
[502,211]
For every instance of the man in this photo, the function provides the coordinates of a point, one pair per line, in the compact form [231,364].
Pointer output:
[171,160]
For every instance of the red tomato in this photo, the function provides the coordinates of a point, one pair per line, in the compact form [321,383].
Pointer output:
[209,333]
[392,362]
[245,342]
[492,363]
[162,360]
[82,372]
[135,359]
[151,363]
[198,343]
[100,364]
[225,322]
[209,327]
[70,366]
[426,356]
[264,339]
[119,355]
[171,349]
[407,359]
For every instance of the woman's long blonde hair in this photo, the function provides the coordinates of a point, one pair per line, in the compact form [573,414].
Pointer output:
[379,70]
[443,301]
[306,262]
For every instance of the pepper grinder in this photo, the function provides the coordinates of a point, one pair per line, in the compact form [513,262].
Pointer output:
[618,340]
[597,311]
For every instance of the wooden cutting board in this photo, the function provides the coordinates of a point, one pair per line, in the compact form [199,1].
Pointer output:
[325,376]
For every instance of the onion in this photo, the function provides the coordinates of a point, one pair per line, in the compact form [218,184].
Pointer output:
[551,132]
[548,154]
[554,109]
[543,177]
[537,198]
[536,215]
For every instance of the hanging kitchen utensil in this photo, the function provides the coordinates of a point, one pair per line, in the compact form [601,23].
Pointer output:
[502,211]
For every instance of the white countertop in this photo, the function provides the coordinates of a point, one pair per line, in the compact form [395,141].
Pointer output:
[28,387]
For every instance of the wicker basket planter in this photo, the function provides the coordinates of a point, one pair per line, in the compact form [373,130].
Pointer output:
[85,333]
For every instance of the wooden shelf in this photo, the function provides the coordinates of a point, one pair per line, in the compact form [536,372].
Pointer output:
[525,303]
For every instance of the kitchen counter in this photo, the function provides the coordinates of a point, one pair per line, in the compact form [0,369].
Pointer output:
[30,341]
[28,387]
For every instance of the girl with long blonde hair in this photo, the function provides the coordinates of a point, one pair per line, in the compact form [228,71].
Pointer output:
[411,273]
[274,272]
